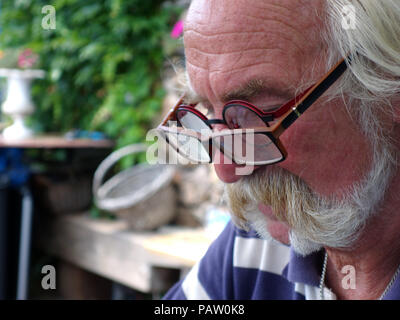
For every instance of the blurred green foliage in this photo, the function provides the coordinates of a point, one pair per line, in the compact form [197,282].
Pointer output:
[103,62]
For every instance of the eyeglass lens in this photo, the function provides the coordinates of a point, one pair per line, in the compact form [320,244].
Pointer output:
[246,147]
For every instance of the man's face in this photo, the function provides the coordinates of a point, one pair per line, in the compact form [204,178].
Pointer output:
[229,43]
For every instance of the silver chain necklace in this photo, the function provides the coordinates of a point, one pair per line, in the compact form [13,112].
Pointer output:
[322,281]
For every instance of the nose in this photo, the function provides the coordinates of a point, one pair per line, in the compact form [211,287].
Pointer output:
[226,169]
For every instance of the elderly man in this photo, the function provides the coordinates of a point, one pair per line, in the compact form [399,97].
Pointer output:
[318,217]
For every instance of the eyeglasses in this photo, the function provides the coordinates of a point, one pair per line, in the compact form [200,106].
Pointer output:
[252,136]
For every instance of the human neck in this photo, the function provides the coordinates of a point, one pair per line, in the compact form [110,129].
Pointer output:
[375,256]
[373,273]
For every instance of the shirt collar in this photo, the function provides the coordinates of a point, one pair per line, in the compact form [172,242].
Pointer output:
[394,291]
[306,269]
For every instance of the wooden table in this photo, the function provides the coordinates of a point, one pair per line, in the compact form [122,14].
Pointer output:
[110,249]
[54,142]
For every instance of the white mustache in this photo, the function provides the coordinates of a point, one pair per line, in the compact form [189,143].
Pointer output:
[315,221]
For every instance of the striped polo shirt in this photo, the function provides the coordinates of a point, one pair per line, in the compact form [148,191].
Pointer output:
[239,265]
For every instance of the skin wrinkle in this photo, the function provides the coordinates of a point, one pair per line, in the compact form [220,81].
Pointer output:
[239,69]
[240,37]
[229,71]
[282,36]
[206,56]
[300,35]
[284,27]
[231,52]
[283,22]
[212,35]
[283,11]
[245,33]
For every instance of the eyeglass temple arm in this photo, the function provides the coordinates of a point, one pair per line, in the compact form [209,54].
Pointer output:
[314,94]
[171,113]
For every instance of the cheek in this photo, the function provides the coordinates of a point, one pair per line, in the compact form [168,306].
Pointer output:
[279,231]
[329,155]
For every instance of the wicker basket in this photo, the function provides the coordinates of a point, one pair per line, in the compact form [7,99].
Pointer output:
[142,195]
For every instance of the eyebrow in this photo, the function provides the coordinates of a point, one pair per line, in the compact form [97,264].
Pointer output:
[246,92]
[253,88]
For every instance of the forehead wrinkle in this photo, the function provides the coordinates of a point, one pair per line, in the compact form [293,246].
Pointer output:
[290,19]
[208,13]
[191,51]
[224,52]
[201,61]
[226,60]
[260,39]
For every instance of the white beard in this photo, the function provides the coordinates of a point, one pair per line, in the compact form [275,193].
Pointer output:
[337,224]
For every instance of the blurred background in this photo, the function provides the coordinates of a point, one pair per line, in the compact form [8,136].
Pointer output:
[82,214]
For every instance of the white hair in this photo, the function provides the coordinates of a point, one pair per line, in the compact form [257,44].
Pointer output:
[373,44]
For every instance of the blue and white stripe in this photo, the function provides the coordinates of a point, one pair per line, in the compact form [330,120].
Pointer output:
[241,266]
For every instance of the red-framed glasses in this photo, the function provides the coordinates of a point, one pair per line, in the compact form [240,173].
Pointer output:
[252,135]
